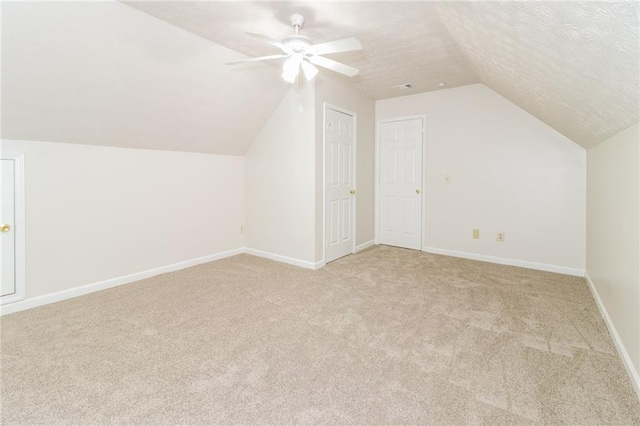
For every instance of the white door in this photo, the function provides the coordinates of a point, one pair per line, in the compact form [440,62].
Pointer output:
[11,234]
[7,235]
[339,140]
[400,183]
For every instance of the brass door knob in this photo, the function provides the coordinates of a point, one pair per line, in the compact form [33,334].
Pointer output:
[417,191]
[4,227]
[352,192]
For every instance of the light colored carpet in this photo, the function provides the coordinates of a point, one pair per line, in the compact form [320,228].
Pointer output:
[387,336]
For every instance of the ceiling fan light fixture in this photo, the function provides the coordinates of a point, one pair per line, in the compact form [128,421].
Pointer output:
[309,70]
[291,68]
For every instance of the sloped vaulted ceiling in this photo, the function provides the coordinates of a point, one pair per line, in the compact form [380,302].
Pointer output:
[103,73]
[403,41]
[574,65]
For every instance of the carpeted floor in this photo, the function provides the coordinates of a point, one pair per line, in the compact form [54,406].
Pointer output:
[386,336]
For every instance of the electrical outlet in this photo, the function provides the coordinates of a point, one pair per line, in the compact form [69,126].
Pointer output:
[500,237]
[476,234]
[242,229]
[447,178]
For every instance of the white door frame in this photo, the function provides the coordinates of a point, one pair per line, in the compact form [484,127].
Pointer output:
[18,226]
[376,185]
[325,106]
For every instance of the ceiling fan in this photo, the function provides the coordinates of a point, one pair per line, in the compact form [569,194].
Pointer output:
[301,53]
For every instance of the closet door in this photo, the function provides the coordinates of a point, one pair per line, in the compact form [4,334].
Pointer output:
[339,184]
[400,183]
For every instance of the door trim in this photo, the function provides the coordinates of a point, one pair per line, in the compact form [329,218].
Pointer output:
[18,226]
[376,186]
[325,106]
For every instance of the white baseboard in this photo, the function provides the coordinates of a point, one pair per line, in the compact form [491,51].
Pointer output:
[506,261]
[113,282]
[364,246]
[284,259]
[622,351]
[46,299]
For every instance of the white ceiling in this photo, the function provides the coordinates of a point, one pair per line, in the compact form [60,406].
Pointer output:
[402,41]
[103,73]
[573,65]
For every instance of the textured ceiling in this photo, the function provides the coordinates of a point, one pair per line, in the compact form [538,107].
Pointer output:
[573,65]
[403,42]
[103,73]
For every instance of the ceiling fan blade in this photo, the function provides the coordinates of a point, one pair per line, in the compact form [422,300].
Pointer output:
[271,41]
[261,58]
[334,66]
[344,45]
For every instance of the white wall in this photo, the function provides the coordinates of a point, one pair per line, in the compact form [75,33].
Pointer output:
[509,172]
[613,235]
[99,213]
[280,182]
[340,96]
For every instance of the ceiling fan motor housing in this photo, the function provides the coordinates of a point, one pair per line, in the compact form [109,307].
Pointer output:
[297,43]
